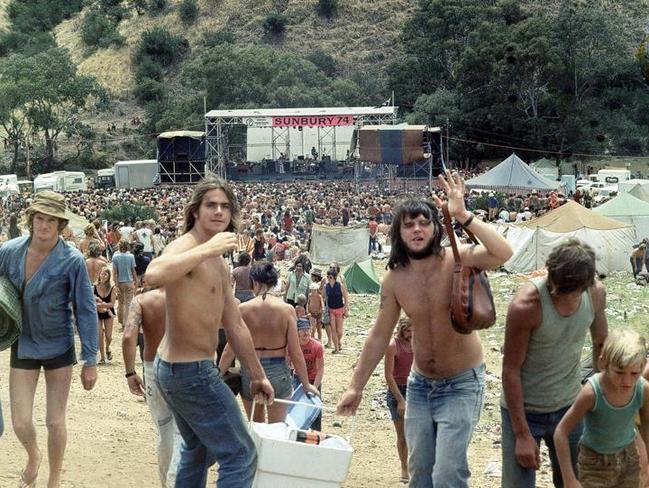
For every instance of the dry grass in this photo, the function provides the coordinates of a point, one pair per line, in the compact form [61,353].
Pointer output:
[361,34]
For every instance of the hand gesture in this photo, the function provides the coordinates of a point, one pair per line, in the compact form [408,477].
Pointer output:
[349,403]
[88,377]
[527,452]
[135,385]
[263,391]
[222,243]
[453,186]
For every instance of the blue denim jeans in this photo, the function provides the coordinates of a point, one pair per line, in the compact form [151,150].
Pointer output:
[440,417]
[210,423]
[542,426]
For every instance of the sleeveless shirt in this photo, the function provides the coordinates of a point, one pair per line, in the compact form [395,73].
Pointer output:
[550,374]
[609,429]
[402,363]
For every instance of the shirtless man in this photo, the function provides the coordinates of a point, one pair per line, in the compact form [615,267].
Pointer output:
[446,384]
[148,312]
[199,298]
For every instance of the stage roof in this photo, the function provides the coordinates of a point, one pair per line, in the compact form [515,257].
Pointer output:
[297,112]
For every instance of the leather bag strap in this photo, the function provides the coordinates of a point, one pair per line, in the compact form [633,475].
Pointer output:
[449,231]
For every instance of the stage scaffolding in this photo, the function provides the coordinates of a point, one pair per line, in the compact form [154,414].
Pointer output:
[219,123]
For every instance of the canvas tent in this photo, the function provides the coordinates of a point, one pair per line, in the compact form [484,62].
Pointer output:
[512,174]
[639,191]
[534,240]
[629,209]
[344,245]
[361,278]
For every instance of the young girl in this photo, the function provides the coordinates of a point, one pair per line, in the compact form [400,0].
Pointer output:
[397,364]
[105,295]
[608,403]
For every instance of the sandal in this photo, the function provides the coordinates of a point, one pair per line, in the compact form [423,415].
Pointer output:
[404,479]
[109,355]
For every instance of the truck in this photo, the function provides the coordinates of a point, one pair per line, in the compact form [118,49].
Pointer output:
[105,178]
[136,174]
[60,181]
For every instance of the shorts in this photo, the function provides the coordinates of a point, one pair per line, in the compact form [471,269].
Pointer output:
[392,402]
[277,372]
[316,315]
[68,358]
[337,312]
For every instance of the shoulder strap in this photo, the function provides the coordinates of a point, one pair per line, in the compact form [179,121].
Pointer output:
[449,231]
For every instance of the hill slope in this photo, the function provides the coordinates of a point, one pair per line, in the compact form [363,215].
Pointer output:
[361,37]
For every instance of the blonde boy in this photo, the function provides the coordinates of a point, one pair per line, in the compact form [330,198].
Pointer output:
[609,453]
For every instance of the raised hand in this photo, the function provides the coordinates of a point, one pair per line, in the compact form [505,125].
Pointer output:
[453,186]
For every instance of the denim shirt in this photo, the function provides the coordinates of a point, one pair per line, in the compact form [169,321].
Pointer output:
[58,287]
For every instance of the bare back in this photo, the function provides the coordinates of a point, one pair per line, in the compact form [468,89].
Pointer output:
[153,321]
[94,266]
[425,296]
[268,321]
[194,307]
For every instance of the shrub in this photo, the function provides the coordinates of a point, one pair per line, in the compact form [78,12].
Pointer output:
[324,62]
[188,11]
[327,8]
[275,24]
[160,46]
[98,30]
[218,38]
[129,211]
[149,69]
[158,5]
[149,90]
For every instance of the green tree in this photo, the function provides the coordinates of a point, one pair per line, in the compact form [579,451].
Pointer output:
[274,24]
[57,94]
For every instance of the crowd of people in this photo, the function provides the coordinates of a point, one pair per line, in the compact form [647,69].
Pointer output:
[150,275]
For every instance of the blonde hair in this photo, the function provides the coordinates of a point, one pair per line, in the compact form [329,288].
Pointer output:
[623,348]
[403,324]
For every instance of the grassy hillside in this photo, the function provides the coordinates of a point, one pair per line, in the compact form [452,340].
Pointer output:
[363,36]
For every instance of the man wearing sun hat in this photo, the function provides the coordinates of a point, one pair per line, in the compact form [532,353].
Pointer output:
[53,281]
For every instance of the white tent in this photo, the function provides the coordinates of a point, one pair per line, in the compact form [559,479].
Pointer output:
[534,240]
[344,245]
[630,210]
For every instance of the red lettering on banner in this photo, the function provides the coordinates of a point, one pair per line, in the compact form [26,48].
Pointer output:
[313,121]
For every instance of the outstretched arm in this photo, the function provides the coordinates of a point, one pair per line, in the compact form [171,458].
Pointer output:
[373,349]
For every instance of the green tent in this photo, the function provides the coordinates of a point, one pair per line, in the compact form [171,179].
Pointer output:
[361,278]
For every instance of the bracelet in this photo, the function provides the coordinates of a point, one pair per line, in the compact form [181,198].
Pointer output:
[467,222]
[128,375]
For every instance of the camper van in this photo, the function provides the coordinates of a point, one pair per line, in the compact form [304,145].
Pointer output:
[8,180]
[60,181]
[105,178]
[613,176]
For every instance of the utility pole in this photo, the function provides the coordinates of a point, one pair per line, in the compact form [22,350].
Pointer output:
[28,164]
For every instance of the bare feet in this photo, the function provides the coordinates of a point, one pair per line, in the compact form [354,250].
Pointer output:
[30,473]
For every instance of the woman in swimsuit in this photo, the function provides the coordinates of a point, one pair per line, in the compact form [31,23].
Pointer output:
[105,294]
[273,327]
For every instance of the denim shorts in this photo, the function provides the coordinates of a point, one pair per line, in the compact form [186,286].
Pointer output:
[392,402]
[277,372]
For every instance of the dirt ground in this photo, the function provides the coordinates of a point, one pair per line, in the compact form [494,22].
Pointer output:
[112,439]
